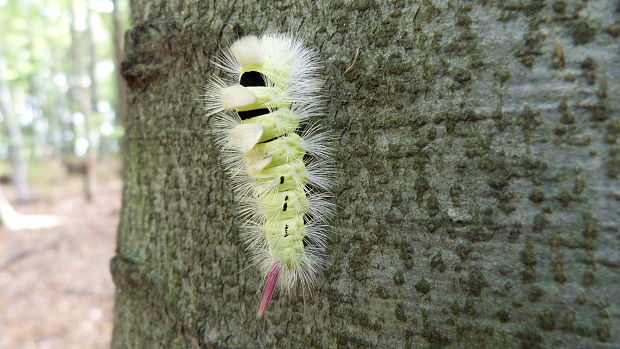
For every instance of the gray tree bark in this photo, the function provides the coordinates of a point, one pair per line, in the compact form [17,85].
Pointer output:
[121,86]
[479,199]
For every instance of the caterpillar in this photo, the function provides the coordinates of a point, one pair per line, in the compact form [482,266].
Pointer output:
[278,161]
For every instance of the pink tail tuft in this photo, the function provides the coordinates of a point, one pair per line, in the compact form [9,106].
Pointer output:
[270,287]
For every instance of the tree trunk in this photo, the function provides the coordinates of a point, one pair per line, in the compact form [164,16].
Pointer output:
[90,179]
[478,192]
[121,107]
[92,60]
[84,102]
[14,137]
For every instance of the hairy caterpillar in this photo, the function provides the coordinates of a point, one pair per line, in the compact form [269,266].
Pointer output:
[279,164]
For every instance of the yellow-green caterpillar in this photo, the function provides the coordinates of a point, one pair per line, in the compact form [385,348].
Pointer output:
[280,175]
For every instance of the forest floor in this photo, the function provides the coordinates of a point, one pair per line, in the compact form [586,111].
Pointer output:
[55,285]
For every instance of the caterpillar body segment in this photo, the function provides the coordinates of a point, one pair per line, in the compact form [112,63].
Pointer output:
[281,175]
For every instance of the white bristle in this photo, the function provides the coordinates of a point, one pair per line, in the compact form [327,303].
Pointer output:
[236,97]
[247,51]
[245,136]
[256,164]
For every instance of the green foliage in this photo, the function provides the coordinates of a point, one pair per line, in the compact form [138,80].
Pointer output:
[47,69]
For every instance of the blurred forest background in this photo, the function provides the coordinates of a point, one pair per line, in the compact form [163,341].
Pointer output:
[61,111]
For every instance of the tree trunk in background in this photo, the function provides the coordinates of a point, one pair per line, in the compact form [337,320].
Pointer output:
[478,197]
[14,137]
[68,126]
[92,61]
[121,108]
[90,180]
[84,103]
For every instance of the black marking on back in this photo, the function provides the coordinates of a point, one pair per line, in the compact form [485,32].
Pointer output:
[252,78]
[273,139]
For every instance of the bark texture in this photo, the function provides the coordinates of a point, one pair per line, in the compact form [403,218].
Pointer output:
[479,199]
[121,104]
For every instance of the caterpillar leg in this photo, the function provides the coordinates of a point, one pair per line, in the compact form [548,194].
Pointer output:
[270,287]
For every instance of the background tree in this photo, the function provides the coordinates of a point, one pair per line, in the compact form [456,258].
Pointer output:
[84,94]
[13,135]
[478,198]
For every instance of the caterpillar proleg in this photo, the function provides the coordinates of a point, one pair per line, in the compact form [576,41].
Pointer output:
[278,163]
